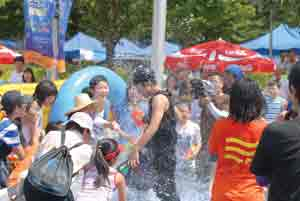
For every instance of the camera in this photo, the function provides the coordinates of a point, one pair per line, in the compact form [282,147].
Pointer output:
[202,88]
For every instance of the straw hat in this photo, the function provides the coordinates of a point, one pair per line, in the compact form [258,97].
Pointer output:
[81,102]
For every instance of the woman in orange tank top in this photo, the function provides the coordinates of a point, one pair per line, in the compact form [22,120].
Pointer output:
[233,142]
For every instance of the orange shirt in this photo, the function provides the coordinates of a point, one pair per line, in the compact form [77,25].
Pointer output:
[234,144]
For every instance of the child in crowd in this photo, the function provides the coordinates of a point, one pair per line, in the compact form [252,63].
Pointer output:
[189,138]
[100,180]
[274,103]
[130,115]
[188,147]
[14,106]
[12,103]
[44,96]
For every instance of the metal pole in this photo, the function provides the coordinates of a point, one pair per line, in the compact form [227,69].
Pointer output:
[52,73]
[271,32]
[158,38]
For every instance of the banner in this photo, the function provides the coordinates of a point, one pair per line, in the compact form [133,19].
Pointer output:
[39,33]
[25,88]
[64,10]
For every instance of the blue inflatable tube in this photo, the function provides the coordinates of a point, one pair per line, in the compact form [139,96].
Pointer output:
[80,80]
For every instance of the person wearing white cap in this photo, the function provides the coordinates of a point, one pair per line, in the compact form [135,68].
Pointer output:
[77,129]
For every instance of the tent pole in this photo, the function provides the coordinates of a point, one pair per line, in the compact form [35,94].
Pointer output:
[52,73]
[158,38]
[271,32]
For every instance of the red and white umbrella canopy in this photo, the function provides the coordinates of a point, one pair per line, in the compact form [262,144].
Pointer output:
[216,56]
[7,56]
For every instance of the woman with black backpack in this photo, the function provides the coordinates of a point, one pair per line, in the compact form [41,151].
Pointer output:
[62,154]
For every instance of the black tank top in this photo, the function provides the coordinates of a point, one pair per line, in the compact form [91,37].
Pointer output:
[165,139]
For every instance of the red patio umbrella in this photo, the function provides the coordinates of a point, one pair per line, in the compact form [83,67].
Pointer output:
[216,56]
[7,56]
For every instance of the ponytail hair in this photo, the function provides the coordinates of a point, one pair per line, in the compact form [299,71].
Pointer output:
[106,151]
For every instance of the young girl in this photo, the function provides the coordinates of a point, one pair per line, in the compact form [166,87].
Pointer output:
[130,115]
[100,180]
[28,76]
[44,96]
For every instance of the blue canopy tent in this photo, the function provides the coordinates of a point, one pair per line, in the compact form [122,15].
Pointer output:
[84,47]
[126,49]
[284,38]
[170,48]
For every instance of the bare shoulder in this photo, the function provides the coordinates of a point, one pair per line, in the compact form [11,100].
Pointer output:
[160,100]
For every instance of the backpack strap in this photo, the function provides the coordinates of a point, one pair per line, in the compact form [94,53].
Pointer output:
[75,146]
[63,136]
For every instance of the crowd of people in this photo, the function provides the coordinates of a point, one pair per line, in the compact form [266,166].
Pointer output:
[220,128]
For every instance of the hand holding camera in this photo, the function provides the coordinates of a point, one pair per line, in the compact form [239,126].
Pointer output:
[202,88]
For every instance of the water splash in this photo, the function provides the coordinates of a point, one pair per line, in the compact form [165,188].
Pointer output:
[187,190]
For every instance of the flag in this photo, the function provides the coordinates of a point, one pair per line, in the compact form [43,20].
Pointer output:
[39,34]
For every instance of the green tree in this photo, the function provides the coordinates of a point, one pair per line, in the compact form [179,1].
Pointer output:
[284,11]
[110,20]
[2,2]
[193,21]
[11,19]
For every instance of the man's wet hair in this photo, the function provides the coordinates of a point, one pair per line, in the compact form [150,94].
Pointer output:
[143,74]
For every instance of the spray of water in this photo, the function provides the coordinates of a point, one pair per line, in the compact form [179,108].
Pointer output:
[188,190]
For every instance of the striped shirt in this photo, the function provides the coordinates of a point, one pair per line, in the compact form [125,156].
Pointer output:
[9,133]
[274,106]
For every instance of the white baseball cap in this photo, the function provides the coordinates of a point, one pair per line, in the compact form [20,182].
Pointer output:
[83,119]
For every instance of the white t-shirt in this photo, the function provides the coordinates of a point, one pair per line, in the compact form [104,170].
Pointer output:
[188,135]
[98,125]
[16,77]
[89,192]
[196,110]
[80,155]
[284,89]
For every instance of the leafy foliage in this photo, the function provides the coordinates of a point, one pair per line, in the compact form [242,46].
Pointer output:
[188,21]
[11,19]
[193,21]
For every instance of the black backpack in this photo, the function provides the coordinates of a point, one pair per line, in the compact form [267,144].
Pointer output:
[50,176]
